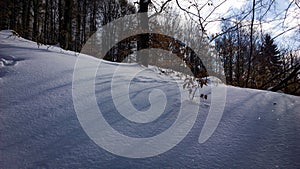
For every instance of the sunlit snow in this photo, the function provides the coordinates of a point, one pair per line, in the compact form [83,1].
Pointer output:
[39,127]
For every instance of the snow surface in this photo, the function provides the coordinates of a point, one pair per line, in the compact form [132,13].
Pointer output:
[39,127]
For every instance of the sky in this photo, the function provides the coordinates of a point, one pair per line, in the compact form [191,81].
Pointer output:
[273,22]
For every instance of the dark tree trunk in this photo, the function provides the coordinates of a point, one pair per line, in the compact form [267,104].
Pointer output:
[35,30]
[231,63]
[4,16]
[78,26]
[52,24]
[251,44]
[67,27]
[143,42]
[60,22]
[93,27]
[45,29]
[24,12]
[26,18]
[12,17]
[237,74]
[83,38]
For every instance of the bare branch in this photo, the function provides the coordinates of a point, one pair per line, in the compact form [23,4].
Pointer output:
[286,12]
[269,7]
[215,8]
[232,28]
[292,74]
[297,4]
[161,8]
[290,29]
[185,10]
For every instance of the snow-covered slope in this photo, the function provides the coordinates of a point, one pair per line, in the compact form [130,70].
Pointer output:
[39,127]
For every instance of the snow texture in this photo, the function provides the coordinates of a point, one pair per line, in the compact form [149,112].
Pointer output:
[39,127]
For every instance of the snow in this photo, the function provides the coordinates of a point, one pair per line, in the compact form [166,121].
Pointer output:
[40,128]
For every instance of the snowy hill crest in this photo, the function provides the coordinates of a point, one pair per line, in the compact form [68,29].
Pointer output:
[40,127]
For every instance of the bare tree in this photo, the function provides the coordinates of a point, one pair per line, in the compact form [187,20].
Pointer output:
[143,41]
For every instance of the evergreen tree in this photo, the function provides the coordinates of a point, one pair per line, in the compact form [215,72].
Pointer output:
[270,51]
[268,62]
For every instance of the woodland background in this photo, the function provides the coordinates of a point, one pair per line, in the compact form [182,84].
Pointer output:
[249,56]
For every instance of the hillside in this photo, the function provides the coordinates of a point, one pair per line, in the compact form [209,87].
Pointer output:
[40,128]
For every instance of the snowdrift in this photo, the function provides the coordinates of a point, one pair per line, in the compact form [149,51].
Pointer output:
[39,127]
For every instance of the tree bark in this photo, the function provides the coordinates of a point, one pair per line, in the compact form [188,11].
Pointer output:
[35,20]
[83,38]
[93,26]
[143,42]
[67,27]
[60,22]
[45,29]
[251,44]
[78,26]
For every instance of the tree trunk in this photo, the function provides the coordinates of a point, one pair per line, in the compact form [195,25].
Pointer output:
[12,17]
[45,29]
[93,27]
[52,24]
[35,20]
[78,26]
[143,42]
[67,27]
[251,44]
[83,38]
[238,60]
[26,18]
[60,22]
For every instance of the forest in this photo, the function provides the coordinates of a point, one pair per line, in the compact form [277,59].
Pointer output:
[250,56]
